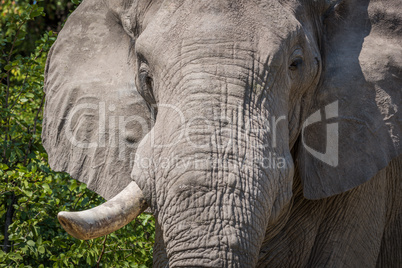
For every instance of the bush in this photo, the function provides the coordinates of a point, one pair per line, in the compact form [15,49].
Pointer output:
[31,194]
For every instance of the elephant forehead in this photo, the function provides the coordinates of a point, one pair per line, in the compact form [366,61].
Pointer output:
[224,19]
[224,29]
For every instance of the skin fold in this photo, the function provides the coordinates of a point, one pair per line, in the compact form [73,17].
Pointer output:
[208,106]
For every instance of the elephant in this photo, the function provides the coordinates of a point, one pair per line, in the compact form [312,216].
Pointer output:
[259,133]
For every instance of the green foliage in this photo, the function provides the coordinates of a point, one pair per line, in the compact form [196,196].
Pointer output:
[31,194]
[48,15]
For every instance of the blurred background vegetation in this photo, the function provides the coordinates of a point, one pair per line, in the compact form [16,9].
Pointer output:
[31,194]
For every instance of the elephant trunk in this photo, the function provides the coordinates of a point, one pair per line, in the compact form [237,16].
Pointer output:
[106,218]
[210,185]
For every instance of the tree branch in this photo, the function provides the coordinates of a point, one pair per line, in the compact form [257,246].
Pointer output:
[9,220]
[103,251]
[34,129]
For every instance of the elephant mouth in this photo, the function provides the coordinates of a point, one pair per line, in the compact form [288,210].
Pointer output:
[106,218]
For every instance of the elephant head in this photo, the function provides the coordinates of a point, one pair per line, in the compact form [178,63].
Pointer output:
[205,111]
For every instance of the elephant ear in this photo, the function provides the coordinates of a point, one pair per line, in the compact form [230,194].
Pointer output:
[354,127]
[94,117]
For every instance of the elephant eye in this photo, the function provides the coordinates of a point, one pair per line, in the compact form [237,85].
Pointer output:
[145,83]
[295,64]
[296,59]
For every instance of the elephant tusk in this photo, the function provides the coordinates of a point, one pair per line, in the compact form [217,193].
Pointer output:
[106,218]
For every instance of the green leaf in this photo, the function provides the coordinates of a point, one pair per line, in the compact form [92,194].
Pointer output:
[28,193]
[147,217]
[89,260]
[46,188]
[3,166]
[36,13]
[31,243]
[41,249]
[15,257]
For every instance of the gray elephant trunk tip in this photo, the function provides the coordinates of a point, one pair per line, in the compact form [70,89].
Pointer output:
[106,218]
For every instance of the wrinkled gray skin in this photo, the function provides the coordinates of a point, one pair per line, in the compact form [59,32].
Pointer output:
[229,66]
